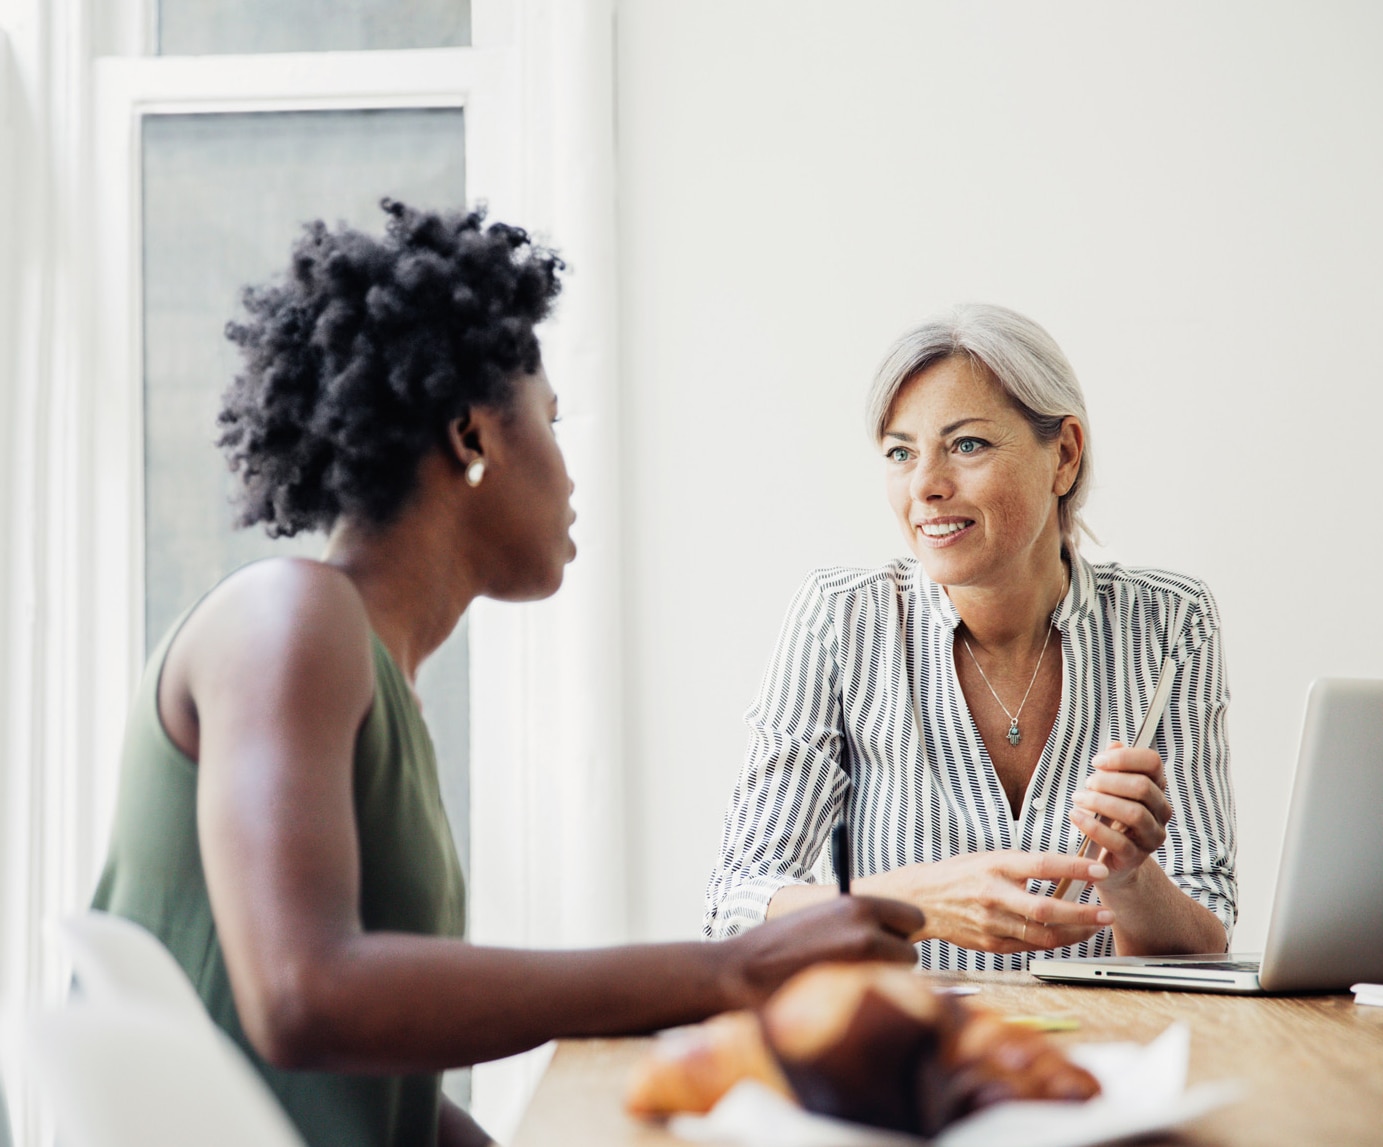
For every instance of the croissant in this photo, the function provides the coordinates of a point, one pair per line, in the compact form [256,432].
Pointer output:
[866,1042]
[690,1068]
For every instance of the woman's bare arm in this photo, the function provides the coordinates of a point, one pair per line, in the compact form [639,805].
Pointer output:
[281,678]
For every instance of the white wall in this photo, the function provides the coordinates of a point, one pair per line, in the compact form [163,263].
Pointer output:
[1187,195]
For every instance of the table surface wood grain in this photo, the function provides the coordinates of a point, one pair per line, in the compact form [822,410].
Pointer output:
[1311,1066]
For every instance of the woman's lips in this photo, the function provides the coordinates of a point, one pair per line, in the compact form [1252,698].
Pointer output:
[937,533]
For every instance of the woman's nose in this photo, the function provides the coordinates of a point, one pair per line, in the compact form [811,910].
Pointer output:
[930,479]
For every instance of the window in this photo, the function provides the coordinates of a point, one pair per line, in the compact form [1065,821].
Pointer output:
[224,195]
[214,165]
[206,27]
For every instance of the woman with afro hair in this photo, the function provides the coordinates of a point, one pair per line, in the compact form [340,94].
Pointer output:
[279,825]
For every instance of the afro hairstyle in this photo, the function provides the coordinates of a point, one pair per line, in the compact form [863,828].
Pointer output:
[356,361]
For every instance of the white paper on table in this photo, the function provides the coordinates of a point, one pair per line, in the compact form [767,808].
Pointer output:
[1370,995]
[1144,1090]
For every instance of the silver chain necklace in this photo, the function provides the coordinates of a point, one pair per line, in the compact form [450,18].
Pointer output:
[1014,736]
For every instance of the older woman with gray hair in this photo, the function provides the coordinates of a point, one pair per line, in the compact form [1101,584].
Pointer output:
[968,710]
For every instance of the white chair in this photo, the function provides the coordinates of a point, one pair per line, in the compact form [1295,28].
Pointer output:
[120,1075]
[116,961]
[134,1059]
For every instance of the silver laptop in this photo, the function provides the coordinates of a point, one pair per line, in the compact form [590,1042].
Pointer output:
[1326,928]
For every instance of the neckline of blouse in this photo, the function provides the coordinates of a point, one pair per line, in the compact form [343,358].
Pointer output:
[1074,608]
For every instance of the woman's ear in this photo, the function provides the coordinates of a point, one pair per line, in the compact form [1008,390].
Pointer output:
[1070,445]
[467,438]
[464,443]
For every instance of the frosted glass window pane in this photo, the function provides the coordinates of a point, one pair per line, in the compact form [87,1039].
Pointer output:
[217,27]
[224,198]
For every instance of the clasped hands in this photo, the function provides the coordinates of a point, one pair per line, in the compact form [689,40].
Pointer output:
[981,901]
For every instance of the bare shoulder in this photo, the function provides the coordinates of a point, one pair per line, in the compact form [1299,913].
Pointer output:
[284,627]
[286,591]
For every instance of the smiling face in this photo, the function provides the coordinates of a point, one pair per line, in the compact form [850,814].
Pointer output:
[974,490]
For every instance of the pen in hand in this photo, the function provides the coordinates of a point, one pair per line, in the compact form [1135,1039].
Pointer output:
[840,855]
[1069,889]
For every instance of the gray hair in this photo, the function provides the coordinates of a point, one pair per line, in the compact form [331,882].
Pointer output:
[1022,358]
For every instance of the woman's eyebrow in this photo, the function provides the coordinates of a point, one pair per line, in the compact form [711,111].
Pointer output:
[951,427]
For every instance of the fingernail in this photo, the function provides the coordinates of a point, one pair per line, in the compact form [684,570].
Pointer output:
[1098,871]
[1105,916]
[1082,798]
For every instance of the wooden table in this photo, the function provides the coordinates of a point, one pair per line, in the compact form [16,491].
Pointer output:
[1312,1066]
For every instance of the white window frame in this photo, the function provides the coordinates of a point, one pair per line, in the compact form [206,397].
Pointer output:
[130,90]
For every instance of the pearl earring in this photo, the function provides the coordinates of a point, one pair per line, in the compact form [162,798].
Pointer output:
[475,472]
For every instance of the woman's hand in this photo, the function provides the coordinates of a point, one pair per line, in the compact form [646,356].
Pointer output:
[980,900]
[1153,916]
[1127,788]
[844,928]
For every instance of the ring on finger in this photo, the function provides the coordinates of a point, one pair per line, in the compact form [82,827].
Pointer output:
[1025,929]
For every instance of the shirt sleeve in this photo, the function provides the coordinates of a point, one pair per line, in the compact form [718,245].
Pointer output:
[790,789]
[1199,853]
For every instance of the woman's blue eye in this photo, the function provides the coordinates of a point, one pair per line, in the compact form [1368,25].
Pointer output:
[968,445]
[898,454]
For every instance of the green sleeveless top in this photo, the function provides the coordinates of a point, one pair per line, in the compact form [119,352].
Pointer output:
[410,881]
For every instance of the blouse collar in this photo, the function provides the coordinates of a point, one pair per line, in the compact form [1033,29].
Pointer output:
[939,610]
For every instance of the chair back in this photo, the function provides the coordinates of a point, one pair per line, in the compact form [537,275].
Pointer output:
[114,960]
[134,1059]
[117,1075]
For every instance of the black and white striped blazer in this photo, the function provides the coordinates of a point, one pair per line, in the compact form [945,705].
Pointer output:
[834,721]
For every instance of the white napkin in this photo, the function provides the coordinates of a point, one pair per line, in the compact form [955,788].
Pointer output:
[1371,994]
[1144,1090]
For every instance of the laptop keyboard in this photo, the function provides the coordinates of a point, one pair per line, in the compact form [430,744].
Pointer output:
[1208,965]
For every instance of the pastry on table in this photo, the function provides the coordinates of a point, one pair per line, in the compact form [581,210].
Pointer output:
[870,1043]
[690,1068]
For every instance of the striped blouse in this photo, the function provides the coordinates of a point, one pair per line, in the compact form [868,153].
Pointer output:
[834,721]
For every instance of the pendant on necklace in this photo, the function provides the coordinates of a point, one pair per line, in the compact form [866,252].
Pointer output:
[1014,736]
